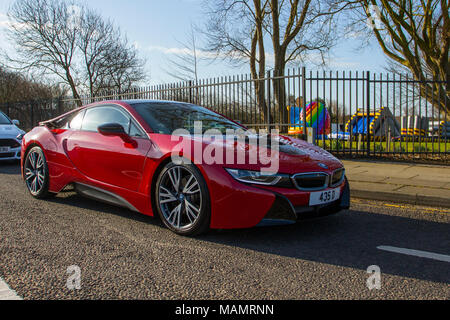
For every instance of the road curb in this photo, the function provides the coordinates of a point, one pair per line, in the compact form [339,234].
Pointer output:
[416,199]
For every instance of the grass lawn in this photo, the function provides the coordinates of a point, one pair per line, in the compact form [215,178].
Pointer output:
[411,147]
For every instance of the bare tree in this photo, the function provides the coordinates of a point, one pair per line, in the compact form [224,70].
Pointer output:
[235,32]
[238,30]
[109,61]
[95,39]
[124,67]
[415,36]
[185,64]
[43,38]
[66,39]
[297,29]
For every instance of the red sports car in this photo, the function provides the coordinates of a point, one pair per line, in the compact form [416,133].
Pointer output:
[128,153]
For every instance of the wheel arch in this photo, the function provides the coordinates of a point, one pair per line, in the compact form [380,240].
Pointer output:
[155,176]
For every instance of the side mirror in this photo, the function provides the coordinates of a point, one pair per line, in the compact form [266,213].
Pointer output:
[111,129]
[115,129]
[16,123]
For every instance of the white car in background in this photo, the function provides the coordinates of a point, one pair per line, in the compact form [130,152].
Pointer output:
[10,138]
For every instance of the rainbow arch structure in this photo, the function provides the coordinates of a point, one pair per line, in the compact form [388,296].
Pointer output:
[317,117]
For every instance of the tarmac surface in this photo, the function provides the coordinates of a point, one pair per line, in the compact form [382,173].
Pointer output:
[118,254]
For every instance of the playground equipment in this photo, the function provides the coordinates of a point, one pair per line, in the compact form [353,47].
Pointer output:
[317,117]
[414,126]
[440,129]
[379,123]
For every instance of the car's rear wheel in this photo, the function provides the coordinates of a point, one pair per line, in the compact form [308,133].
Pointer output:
[36,174]
[182,199]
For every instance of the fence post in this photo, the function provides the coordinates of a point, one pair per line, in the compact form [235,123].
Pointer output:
[269,98]
[303,101]
[190,91]
[388,143]
[368,113]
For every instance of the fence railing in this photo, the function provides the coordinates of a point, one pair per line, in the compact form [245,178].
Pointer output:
[347,113]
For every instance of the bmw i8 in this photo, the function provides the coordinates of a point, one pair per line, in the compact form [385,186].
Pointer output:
[156,158]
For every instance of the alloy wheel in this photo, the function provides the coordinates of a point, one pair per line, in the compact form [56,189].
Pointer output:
[35,172]
[180,197]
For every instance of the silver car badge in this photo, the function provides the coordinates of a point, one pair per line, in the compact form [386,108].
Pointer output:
[323,166]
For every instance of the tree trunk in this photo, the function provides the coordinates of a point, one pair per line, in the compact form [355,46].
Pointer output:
[279,89]
[260,91]
[75,94]
[438,96]
[258,45]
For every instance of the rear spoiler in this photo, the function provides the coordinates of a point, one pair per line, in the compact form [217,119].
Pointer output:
[53,123]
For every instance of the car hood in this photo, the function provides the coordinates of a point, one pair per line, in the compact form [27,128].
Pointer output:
[293,155]
[10,131]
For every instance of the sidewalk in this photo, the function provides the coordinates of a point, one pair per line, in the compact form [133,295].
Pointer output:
[426,185]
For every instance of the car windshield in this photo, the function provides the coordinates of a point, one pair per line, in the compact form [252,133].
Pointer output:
[4,119]
[166,117]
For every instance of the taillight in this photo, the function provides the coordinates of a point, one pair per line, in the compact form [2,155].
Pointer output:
[58,131]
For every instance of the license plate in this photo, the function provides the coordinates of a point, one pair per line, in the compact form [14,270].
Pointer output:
[324,197]
[4,149]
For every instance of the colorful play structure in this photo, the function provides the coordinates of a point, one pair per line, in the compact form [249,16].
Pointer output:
[317,117]
[414,126]
[440,129]
[379,123]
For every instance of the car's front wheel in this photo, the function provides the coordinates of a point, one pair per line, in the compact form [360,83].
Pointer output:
[36,173]
[182,199]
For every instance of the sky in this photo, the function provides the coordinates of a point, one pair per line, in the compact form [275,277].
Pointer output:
[157,26]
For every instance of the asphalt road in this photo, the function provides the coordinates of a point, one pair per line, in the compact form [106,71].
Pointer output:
[124,255]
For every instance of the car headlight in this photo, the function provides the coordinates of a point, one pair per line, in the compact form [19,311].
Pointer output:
[263,178]
[20,136]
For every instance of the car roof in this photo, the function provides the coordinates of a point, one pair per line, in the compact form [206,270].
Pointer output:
[138,101]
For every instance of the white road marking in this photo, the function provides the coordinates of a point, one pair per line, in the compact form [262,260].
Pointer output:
[6,293]
[416,253]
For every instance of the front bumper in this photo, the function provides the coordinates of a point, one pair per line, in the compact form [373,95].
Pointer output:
[283,209]
[12,154]
[236,205]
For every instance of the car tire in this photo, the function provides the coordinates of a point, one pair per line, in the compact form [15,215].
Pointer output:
[182,199]
[36,174]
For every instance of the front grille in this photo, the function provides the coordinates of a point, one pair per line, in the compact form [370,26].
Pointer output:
[9,143]
[337,177]
[7,155]
[311,181]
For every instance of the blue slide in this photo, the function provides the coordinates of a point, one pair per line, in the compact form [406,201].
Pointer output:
[361,125]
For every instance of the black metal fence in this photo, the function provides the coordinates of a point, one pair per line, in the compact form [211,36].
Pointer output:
[347,113]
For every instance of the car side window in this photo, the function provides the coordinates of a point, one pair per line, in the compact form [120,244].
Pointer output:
[135,131]
[76,121]
[97,116]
